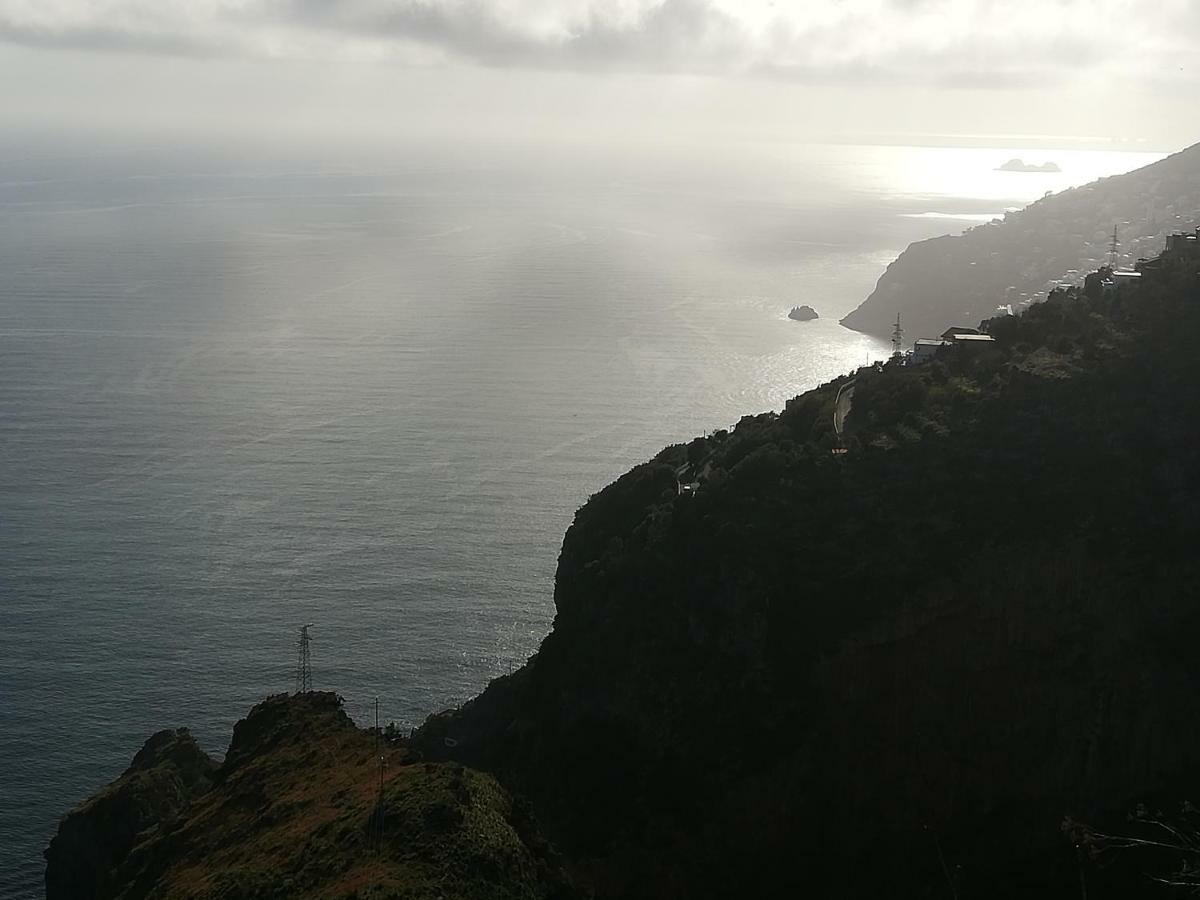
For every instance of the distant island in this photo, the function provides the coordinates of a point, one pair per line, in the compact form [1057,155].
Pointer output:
[1019,165]
[803,314]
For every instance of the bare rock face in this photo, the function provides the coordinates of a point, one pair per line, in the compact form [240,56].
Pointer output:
[165,776]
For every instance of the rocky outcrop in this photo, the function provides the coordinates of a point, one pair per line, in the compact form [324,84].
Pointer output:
[166,775]
[959,279]
[803,314]
[297,811]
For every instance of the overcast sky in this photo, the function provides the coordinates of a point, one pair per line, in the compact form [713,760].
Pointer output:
[758,69]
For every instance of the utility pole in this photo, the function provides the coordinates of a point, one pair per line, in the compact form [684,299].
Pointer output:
[304,662]
[376,836]
[379,755]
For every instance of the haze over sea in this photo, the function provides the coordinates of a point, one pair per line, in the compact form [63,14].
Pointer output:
[239,393]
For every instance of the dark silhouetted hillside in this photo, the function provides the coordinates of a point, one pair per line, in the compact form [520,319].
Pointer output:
[822,668]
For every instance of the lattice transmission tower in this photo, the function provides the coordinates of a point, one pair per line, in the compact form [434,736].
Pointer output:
[1113,246]
[897,338]
[304,661]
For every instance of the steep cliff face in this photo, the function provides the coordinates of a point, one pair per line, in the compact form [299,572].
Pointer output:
[960,279]
[913,658]
[166,775]
[296,810]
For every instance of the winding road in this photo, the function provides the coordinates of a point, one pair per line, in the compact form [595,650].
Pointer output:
[841,406]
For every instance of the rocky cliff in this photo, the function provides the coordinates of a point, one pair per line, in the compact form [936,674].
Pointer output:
[296,810]
[960,279]
[914,658]
[165,776]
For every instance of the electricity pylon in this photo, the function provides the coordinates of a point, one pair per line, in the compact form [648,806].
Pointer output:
[304,662]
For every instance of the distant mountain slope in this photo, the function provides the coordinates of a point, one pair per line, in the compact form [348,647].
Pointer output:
[959,279]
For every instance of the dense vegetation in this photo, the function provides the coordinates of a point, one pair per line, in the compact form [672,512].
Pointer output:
[1011,532]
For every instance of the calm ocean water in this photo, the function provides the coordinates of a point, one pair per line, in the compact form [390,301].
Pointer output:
[242,394]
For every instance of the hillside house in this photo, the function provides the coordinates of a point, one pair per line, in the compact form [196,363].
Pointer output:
[1183,244]
[925,349]
[974,341]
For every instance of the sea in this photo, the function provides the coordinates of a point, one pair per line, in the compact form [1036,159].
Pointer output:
[244,390]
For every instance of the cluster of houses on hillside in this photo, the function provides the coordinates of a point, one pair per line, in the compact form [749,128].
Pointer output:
[1182,253]
[1020,299]
[925,349]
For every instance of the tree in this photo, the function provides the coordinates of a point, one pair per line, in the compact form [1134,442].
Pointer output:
[1167,847]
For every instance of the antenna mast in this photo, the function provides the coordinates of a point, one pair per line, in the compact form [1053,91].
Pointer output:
[304,662]
[897,339]
[1112,249]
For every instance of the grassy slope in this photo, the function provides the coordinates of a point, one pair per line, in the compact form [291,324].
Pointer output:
[291,811]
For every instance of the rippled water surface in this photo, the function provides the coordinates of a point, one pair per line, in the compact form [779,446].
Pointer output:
[240,394]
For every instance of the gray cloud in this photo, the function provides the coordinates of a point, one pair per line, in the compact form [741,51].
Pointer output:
[970,43]
[469,29]
[691,34]
[673,32]
[110,40]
